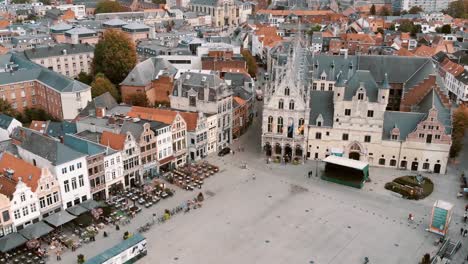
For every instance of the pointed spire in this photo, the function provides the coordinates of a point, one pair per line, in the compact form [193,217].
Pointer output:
[433,98]
[386,84]
[340,80]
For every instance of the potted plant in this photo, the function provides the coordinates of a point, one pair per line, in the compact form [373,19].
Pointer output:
[80,259]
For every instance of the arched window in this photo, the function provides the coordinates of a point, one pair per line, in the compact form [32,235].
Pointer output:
[286,91]
[301,126]
[281,104]
[270,124]
[360,96]
[291,105]
[279,126]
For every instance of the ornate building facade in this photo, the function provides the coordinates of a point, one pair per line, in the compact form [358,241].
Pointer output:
[388,111]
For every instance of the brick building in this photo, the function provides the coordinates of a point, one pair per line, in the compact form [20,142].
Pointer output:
[25,84]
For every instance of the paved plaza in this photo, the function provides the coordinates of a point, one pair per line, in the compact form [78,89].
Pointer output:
[272,213]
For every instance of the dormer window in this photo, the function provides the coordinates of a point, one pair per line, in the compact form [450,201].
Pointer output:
[286,91]
[394,137]
[360,96]
[323,78]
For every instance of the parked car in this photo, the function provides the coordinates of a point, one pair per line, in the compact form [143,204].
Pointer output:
[224,151]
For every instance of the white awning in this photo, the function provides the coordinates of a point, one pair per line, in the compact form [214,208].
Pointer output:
[356,164]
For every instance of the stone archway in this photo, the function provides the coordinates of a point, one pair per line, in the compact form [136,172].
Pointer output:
[354,155]
[288,153]
[278,149]
[355,151]
[268,149]
[298,151]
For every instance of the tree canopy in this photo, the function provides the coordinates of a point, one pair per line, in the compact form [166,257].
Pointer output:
[445,29]
[114,56]
[107,6]
[409,26]
[138,99]
[251,63]
[459,124]
[6,108]
[101,85]
[85,78]
[372,10]
[458,9]
[415,10]
[314,28]
[384,11]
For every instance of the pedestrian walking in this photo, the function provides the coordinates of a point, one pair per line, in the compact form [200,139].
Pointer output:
[461,231]
[465,217]
[465,233]
[117,227]
[59,257]
[410,217]
[466,208]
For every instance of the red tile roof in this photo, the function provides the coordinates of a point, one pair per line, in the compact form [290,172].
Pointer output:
[425,51]
[239,100]
[28,173]
[295,12]
[404,52]
[268,35]
[115,141]
[164,115]
[452,67]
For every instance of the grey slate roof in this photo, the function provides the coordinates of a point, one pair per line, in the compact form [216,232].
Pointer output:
[134,128]
[50,149]
[29,71]
[406,122]
[104,100]
[57,50]
[365,78]
[146,71]
[5,121]
[115,22]
[80,31]
[432,100]
[85,146]
[321,103]
[204,2]
[59,129]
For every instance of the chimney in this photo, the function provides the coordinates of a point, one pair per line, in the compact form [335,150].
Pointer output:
[100,112]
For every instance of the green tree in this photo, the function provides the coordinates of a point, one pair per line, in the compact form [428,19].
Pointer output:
[384,11]
[159,2]
[415,30]
[114,56]
[314,28]
[446,29]
[20,1]
[85,78]
[380,30]
[7,109]
[372,10]
[251,62]
[459,124]
[405,26]
[426,259]
[415,10]
[45,2]
[102,85]
[458,9]
[138,99]
[39,114]
[107,6]
[80,259]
